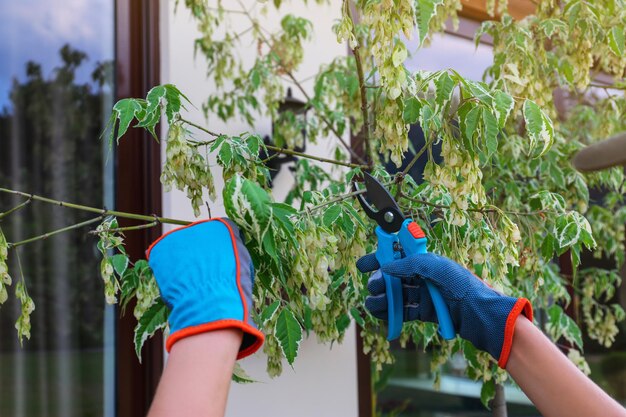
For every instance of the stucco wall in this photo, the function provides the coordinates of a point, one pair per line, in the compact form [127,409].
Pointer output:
[323,380]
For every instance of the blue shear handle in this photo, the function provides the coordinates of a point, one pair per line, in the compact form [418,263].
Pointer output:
[413,246]
[393,286]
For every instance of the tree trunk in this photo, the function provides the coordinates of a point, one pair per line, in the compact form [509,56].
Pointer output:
[498,404]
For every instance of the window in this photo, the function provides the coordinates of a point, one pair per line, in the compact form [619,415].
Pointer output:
[56,90]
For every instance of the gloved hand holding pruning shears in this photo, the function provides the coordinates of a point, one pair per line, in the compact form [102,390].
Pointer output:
[411,284]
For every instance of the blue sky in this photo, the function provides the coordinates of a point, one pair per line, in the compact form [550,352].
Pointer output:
[35,30]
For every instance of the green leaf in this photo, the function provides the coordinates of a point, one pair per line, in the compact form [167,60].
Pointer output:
[347,224]
[411,110]
[557,175]
[331,215]
[142,268]
[168,96]
[444,87]
[487,392]
[255,78]
[355,215]
[269,311]
[547,247]
[503,104]
[572,332]
[226,154]
[616,40]
[470,122]
[356,315]
[550,26]
[568,235]
[491,132]
[479,91]
[153,319]
[342,323]
[289,334]
[308,319]
[538,126]
[424,12]
[240,376]
[130,281]
[120,263]
[269,243]
[126,110]
[248,202]
[218,142]
[253,142]
[282,213]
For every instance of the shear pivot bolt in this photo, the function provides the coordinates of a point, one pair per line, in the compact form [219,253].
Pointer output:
[388,217]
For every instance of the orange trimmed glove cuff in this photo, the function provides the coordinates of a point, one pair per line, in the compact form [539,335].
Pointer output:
[205,276]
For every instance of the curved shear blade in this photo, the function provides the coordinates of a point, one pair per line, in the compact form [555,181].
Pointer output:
[385,211]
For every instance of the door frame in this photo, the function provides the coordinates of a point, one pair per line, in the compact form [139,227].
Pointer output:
[137,190]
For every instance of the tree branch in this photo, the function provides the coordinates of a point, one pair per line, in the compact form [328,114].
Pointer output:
[101,211]
[276,149]
[359,69]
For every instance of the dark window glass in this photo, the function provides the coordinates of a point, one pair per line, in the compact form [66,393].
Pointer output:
[56,89]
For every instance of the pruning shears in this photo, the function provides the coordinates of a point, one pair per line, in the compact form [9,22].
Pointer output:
[398,235]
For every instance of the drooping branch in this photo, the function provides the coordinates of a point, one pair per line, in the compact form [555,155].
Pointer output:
[55,232]
[16,208]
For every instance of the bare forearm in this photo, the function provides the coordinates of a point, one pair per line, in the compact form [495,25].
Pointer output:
[551,381]
[197,377]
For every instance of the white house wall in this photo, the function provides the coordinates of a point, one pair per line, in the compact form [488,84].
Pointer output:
[323,381]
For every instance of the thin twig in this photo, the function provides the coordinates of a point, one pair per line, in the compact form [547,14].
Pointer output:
[609,86]
[341,198]
[124,229]
[417,155]
[336,200]
[327,122]
[54,232]
[101,211]
[277,149]
[16,208]
[197,126]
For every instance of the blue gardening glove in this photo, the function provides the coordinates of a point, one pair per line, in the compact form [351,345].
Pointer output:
[480,314]
[205,276]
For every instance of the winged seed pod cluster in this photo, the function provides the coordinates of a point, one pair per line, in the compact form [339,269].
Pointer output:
[5,278]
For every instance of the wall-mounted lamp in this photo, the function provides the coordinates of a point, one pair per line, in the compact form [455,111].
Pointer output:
[288,132]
